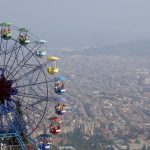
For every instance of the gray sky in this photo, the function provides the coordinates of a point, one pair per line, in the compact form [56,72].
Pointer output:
[77,23]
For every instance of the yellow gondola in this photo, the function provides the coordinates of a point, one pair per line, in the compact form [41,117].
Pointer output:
[52,58]
[52,70]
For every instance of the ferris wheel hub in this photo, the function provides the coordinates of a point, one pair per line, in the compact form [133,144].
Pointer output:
[6,89]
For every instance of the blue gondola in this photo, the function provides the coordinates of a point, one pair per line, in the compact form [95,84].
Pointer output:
[60,109]
[40,53]
[60,78]
[59,91]
[60,112]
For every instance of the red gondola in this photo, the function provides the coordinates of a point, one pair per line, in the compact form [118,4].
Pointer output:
[55,130]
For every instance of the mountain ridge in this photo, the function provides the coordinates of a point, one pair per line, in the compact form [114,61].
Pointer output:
[140,47]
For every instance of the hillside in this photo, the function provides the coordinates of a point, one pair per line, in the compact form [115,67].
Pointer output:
[131,48]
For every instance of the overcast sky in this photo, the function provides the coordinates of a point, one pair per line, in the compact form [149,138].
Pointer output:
[78,23]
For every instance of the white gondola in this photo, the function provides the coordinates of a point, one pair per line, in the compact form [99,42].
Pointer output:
[40,53]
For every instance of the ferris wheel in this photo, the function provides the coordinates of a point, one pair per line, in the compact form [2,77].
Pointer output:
[28,82]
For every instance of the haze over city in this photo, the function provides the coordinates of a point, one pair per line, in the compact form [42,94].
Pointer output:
[80,23]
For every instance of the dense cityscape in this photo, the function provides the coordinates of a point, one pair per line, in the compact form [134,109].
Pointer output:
[109,96]
[75,75]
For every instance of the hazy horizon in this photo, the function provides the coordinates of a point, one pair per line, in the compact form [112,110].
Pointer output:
[79,23]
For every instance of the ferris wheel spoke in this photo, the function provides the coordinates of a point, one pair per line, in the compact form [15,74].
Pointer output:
[16,56]
[35,93]
[13,63]
[22,53]
[33,96]
[39,99]
[32,71]
[25,60]
[33,84]
[37,89]
[11,49]
[2,48]
[36,79]
[40,89]
[11,54]
[1,43]
[31,107]
[34,109]
[5,51]
[37,111]
[28,73]
[37,76]
[30,95]
[16,51]
[42,100]
[17,71]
